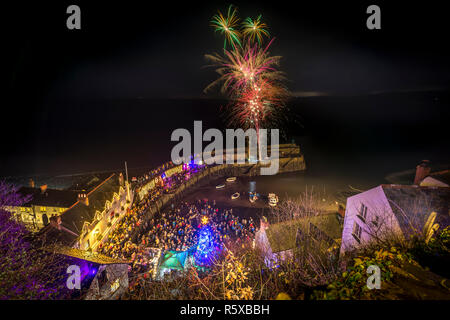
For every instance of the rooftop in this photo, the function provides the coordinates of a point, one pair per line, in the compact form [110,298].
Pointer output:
[50,235]
[282,236]
[443,176]
[75,217]
[93,257]
[413,204]
[49,197]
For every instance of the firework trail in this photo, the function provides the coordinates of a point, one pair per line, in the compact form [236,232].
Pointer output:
[258,104]
[254,29]
[239,68]
[228,26]
[247,73]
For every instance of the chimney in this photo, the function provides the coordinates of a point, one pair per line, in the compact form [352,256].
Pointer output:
[55,221]
[422,171]
[83,198]
[31,183]
[43,188]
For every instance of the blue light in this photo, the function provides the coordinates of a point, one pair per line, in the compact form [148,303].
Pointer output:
[205,247]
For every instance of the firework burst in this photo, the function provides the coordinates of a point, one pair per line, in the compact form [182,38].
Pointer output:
[258,103]
[254,29]
[228,26]
[239,68]
[248,74]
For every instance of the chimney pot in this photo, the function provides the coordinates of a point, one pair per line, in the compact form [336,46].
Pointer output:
[55,221]
[422,171]
[43,188]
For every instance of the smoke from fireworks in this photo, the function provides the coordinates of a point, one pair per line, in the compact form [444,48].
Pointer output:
[239,68]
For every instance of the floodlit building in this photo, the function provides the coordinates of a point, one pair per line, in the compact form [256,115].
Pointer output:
[101,277]
[88,222]
[44,204]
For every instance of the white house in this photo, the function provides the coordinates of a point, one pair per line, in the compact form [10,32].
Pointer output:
[392,210]
[437,179]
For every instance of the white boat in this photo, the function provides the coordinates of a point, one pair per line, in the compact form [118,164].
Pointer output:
[231,179]
[234,196]
[220,186]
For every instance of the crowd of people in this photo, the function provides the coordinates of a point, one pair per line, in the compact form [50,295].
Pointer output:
[145,178]
[119,242]
[173,229]
[178,229]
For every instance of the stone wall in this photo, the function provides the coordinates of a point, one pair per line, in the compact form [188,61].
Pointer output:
[224,170]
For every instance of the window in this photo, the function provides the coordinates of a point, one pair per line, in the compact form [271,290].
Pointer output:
[357,230]
[362,213]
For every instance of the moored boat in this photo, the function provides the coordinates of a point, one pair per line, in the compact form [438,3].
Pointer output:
[273,199]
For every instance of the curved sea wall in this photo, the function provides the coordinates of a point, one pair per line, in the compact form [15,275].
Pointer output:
[291,164]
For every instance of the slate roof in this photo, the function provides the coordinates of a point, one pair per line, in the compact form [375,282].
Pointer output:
[50,197]
[413,205]
[93,257]
[50,235]
[282,236]
[75,217]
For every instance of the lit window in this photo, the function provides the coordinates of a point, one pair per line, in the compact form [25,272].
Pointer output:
[43,209]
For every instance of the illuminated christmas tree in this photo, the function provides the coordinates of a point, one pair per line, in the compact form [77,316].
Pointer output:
[205,248]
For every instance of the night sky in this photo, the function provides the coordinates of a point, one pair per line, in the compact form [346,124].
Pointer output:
[129,50]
